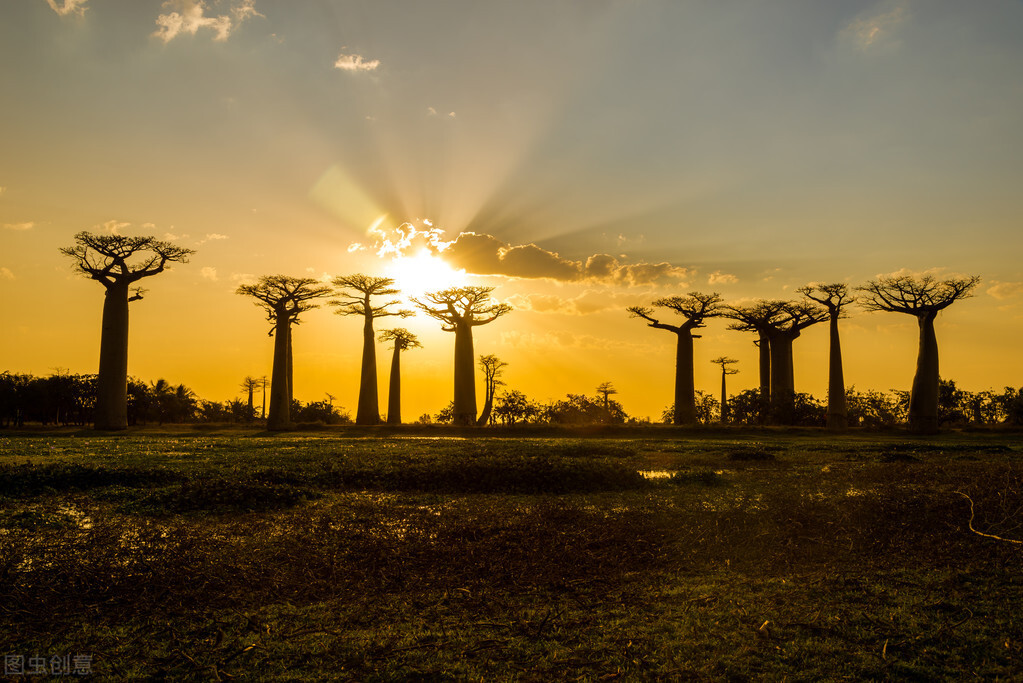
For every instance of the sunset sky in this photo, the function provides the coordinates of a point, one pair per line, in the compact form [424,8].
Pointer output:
[581,156]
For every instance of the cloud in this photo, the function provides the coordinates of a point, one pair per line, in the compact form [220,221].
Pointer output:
[112,227]
[482,254]
[868,32]
[717,277]
[209,273]
[6,273]
[590,301]
[188,16]
[68,7]
[1005,290]
[2,189]
[28,225]
[355,63]
[212,237]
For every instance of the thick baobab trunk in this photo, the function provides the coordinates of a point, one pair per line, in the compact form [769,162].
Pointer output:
[465,378]
[112,380]
[838,417]
[685,389]
[252,408]
[291,369]
[765,375]
[923,400]
[783,391]
[368,412]
[394,389]
[279,415]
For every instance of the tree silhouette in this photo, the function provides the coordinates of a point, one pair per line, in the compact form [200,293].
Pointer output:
[118,262]
[606,390]
[834,297]
[695,308]
[460,309]
[492,367]
[724,362]
[249,385]
[778,324]
[283,298]
[922,297]
[355,293]
[403,340]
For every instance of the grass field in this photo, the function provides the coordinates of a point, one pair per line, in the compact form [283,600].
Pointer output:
[324,556]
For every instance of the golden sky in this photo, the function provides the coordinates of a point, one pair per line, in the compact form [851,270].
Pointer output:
[580,156]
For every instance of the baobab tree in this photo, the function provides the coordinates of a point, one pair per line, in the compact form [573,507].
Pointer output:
[402,340]
[695,308]
[283,298]
[492,367]
[118,262]
[354,298]
[778,324]
[460,309]
[606,390]
[249,386]
[724,362]
[834,297]
[922,297]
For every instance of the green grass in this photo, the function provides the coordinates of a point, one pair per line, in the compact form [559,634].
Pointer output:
[318,557]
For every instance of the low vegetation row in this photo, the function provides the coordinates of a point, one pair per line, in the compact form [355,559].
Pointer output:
[64,399]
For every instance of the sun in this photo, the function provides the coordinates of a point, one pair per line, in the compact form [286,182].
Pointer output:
[423,272]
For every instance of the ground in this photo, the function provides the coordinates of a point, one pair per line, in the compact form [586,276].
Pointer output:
[647,555]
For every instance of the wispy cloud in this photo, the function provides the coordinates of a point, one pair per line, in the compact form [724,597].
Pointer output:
[870,31]
[717,277]
[209,273]
[112,227]
[189,16]
[1005,290]
[28,225]
[213,237]
[6,273]
[590,301]
[68,7]
[355,63]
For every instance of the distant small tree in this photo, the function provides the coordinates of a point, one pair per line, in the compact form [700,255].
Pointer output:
[118,262]
[694,308]
[354,294]
[460,309]
[724,362]
[605,390]
[284,299]
[922,297]
[492,367]
[402,340]
[249,386]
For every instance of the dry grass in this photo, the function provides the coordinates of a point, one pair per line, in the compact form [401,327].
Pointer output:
[316,558]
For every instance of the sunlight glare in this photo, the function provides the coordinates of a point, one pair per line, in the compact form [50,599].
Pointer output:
[423,272]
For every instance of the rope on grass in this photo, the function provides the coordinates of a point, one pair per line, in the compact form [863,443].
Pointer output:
[969,523]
